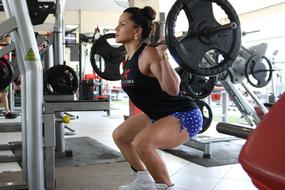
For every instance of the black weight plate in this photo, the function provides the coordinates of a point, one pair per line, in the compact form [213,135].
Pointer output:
[197,87]
[189,50]
[110,68]
[61,79]
[258,70]
[207,115]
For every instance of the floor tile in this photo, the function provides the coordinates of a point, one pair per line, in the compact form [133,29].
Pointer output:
[237,173]
[194,182]
[197,170]
[226,184]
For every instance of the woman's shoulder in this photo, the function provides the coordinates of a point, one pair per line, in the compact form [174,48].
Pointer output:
[149,52]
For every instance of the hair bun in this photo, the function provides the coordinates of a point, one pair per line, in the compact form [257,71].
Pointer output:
[149,12]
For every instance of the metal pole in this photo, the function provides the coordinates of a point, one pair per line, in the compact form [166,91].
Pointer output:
[225,107]
[255,98]
[241,103]
[58,60]
[58,30]
[11,92]
[23,92]
[27,45]
[48,58]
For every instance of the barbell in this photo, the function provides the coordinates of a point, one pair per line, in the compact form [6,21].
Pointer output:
[205,35]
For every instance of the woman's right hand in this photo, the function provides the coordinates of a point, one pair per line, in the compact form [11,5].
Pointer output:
[162,47]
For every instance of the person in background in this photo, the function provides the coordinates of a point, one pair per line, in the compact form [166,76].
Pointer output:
[167,119]
[5,92]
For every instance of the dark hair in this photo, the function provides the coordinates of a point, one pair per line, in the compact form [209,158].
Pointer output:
[142,17]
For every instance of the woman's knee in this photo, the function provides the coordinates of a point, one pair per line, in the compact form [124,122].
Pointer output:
[143,147]
[120,137]
[117,135]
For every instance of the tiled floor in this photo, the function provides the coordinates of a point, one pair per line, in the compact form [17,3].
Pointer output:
[185,175]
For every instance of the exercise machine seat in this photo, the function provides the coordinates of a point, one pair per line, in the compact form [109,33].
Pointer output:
[263,154]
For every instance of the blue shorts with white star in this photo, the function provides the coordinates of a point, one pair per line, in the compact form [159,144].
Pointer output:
[192,120]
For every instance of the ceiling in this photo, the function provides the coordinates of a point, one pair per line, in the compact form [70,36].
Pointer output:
[241,6]
[95,5]
[115,6]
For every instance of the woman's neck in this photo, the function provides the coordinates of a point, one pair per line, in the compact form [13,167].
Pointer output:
[132,47]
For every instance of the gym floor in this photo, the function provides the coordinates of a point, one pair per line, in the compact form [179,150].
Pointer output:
[185,175]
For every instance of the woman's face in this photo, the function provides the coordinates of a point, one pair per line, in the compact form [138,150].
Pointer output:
[126,29]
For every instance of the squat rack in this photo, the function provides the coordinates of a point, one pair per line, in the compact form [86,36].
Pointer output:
[31,72]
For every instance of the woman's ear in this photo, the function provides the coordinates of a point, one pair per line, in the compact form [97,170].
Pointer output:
[139,32]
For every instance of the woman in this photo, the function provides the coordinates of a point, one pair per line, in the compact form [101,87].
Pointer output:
[167,119]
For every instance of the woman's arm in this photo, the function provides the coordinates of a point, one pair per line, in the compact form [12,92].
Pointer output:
[160,67]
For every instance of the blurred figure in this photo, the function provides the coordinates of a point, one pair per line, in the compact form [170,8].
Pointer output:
[4,93]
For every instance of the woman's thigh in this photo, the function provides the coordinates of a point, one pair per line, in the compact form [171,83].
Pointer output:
[132,126]
[164,133]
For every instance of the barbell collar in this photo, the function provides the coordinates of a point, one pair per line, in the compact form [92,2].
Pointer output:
[220,28]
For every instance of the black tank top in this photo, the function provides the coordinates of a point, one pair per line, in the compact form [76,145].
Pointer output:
[145,92]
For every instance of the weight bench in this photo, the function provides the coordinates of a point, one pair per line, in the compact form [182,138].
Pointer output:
[263,155]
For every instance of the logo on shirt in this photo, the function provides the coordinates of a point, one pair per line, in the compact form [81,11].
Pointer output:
[125,81]
[126,74]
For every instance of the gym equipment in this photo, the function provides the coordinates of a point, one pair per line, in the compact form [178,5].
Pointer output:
[262,156]
[39,11]
[6,73]
[204,35]
[234,130]
[22,32]
[61,79]
[253,66]
[112,56]
[256,70]
[197,87]
[207,115]
[10,127]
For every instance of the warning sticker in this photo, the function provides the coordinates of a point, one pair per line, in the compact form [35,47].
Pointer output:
[31,56]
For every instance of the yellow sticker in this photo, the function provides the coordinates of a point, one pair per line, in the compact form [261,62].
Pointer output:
[31,56]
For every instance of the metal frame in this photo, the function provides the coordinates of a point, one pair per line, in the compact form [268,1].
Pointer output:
[53,110]
[203,143]
[32,95]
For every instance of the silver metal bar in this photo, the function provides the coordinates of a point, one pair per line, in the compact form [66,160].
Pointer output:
[7,26]
[13,186]
[52,107]
[224,106]
[255,98]
[58,32]
[11,92]
[10,158]
[241,103]
[11,146]
[59,134]
[10,127]
[48,57]
[49,143]
[33,94]
[7,49]
[22,69]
